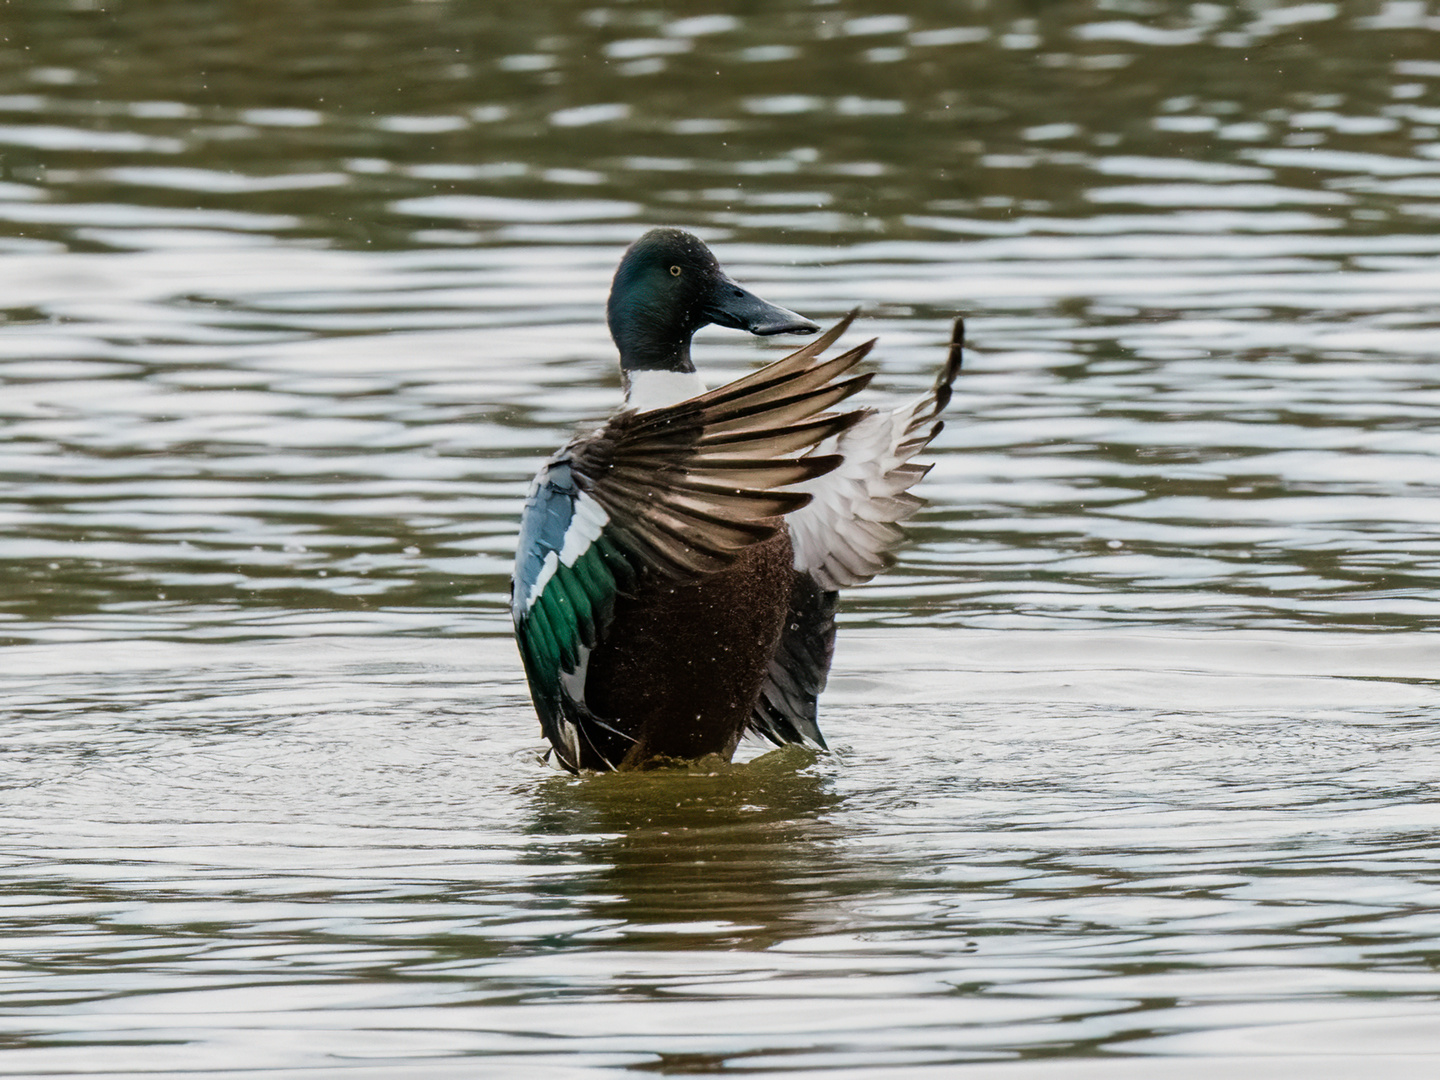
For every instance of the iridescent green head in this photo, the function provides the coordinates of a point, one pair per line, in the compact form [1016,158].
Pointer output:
[669,285]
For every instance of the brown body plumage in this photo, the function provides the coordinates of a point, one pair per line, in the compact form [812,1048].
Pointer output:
[693,659]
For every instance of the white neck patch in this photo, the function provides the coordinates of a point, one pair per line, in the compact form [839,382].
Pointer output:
[656,389]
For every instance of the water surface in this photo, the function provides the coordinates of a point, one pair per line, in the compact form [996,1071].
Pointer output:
[1135,747]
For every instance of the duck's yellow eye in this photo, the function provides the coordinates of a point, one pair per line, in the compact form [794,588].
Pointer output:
[675,271]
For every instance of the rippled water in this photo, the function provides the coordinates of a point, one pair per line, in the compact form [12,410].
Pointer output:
[1135,748]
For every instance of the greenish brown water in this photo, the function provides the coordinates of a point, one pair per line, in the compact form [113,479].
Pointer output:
[1135,747]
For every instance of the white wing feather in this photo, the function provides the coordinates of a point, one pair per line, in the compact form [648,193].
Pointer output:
[848,533]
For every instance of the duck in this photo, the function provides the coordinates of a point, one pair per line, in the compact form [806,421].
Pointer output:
[678,567]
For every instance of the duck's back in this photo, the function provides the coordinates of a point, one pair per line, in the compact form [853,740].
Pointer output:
[685,663]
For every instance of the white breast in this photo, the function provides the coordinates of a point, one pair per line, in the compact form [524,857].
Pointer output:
[656,389]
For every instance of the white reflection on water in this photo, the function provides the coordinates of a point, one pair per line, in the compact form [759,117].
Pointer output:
[318,854]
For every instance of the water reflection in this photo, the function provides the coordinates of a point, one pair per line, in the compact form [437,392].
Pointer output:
[296,297]
[818,122]
[1186,841]
[740,856]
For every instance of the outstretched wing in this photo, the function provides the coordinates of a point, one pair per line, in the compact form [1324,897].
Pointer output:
[677,492]
[846,535]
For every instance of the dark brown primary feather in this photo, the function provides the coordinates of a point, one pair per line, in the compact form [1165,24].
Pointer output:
[784,368]
[689,486]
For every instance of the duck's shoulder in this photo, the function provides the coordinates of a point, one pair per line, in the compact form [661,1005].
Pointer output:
[560,523]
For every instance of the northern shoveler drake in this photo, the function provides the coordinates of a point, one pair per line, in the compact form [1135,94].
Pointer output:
[678,568]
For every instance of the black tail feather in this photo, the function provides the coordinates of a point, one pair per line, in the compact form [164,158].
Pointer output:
[951,369]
